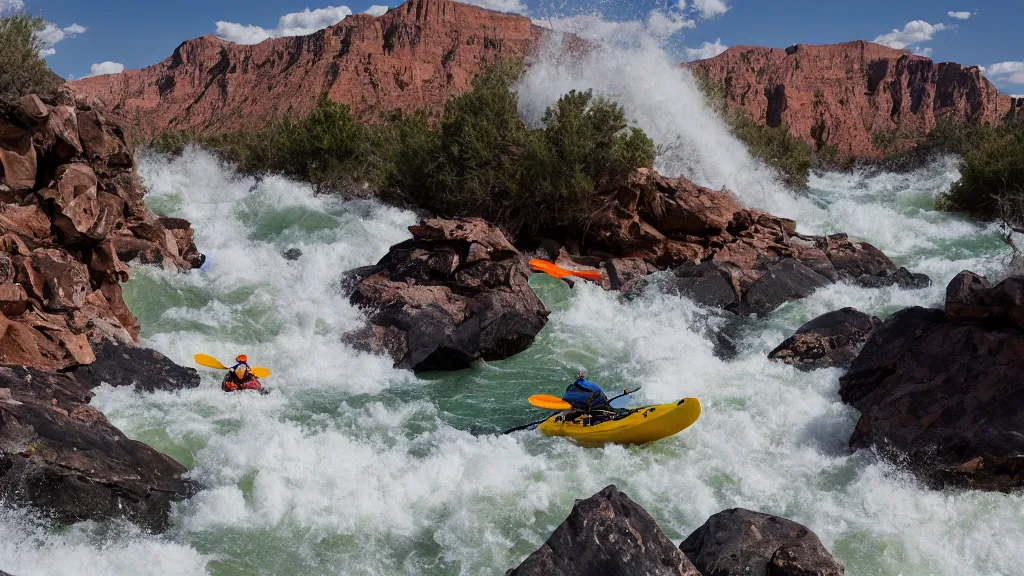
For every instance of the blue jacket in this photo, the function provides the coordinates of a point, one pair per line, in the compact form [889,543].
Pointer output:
[585,395]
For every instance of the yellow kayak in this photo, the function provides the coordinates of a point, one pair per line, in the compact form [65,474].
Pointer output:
[632,426]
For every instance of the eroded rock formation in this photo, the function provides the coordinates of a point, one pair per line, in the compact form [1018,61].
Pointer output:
[457,291]
[71,215]
[840,95]
[942,391]
[722,254]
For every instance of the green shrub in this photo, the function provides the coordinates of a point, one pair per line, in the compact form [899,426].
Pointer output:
[22,70]
[479,159]
[991,184]
[775,146]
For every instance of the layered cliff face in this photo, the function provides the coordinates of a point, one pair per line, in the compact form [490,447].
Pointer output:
[841,94]
[415,55]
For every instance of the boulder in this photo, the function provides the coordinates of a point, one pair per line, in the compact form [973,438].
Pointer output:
[940,390]
[17,158]
[784,281]
[705,284]
[901,277]
[831,340]
[63,457]
[432,307]
[59,137]
[292,254]
[147,370]
[856,259]
[739,542]
[607,534]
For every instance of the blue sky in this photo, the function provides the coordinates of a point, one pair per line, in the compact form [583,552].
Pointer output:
[137,33]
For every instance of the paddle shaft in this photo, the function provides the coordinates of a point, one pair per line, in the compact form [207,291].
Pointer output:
[626,393]
[525,426]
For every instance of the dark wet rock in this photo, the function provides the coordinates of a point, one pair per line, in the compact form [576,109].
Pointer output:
[739,542]
[456,292]
[901,277]
[787,280]
[607,534]
[62,456]
[941,390]
[831,340]
[705,284]
[147,370]
[292,254]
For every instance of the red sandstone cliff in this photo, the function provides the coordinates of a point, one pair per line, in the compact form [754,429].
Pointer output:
[414,55]
[841,94]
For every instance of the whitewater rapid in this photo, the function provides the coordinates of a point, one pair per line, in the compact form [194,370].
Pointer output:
[352,467]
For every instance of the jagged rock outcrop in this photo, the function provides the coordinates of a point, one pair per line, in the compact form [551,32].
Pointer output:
[63,457]
[839,95]
[833,339]
[607,534]
[71,215]
[120,364]
[941,390]
[457,291]
[740,542]
[722,254]
[414,56]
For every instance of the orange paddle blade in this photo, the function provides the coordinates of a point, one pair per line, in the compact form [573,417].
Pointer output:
[549,402]
[549,268]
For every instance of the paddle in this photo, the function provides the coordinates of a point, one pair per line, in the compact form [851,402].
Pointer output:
[624,393]
[211,362]
[560,273]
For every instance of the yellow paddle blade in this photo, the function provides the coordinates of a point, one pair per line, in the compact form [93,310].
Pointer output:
[209,361]
[549,402]
[259,371]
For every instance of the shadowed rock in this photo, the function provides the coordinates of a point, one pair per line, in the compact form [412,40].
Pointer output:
[456,292]
[831,340]
[739,542]
[61,456]
[607,534]
[941,391]
[147,370]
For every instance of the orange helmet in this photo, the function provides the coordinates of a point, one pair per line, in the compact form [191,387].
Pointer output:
[242,358]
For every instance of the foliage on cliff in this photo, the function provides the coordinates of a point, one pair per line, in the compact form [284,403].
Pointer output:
[775,146]
[480,159]
[991,184]
[22,70]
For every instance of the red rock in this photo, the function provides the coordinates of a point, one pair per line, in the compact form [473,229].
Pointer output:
[17,158]
[468,230]
[61,133]
[840,94]
[31,109]
[13,299]
[415,55]
[28,221]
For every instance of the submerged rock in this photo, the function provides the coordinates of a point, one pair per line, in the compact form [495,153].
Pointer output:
[739,542]
[607,534]
[147,370]
[62,456]
[456,292]
[292,254]
[941,390]
[831,340]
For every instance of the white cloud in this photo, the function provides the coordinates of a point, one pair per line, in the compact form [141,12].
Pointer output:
[8,7]
[104,68]
[710,8]
[1009,72]
[960,15]
[665,24]
[706,50]
[294,24]
[923,51]
[376,10]
[913,33]
[509,6]
[52,34]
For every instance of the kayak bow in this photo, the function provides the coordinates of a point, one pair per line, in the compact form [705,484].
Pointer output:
[633,426]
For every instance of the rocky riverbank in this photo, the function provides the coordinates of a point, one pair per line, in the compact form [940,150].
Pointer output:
[72,216]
